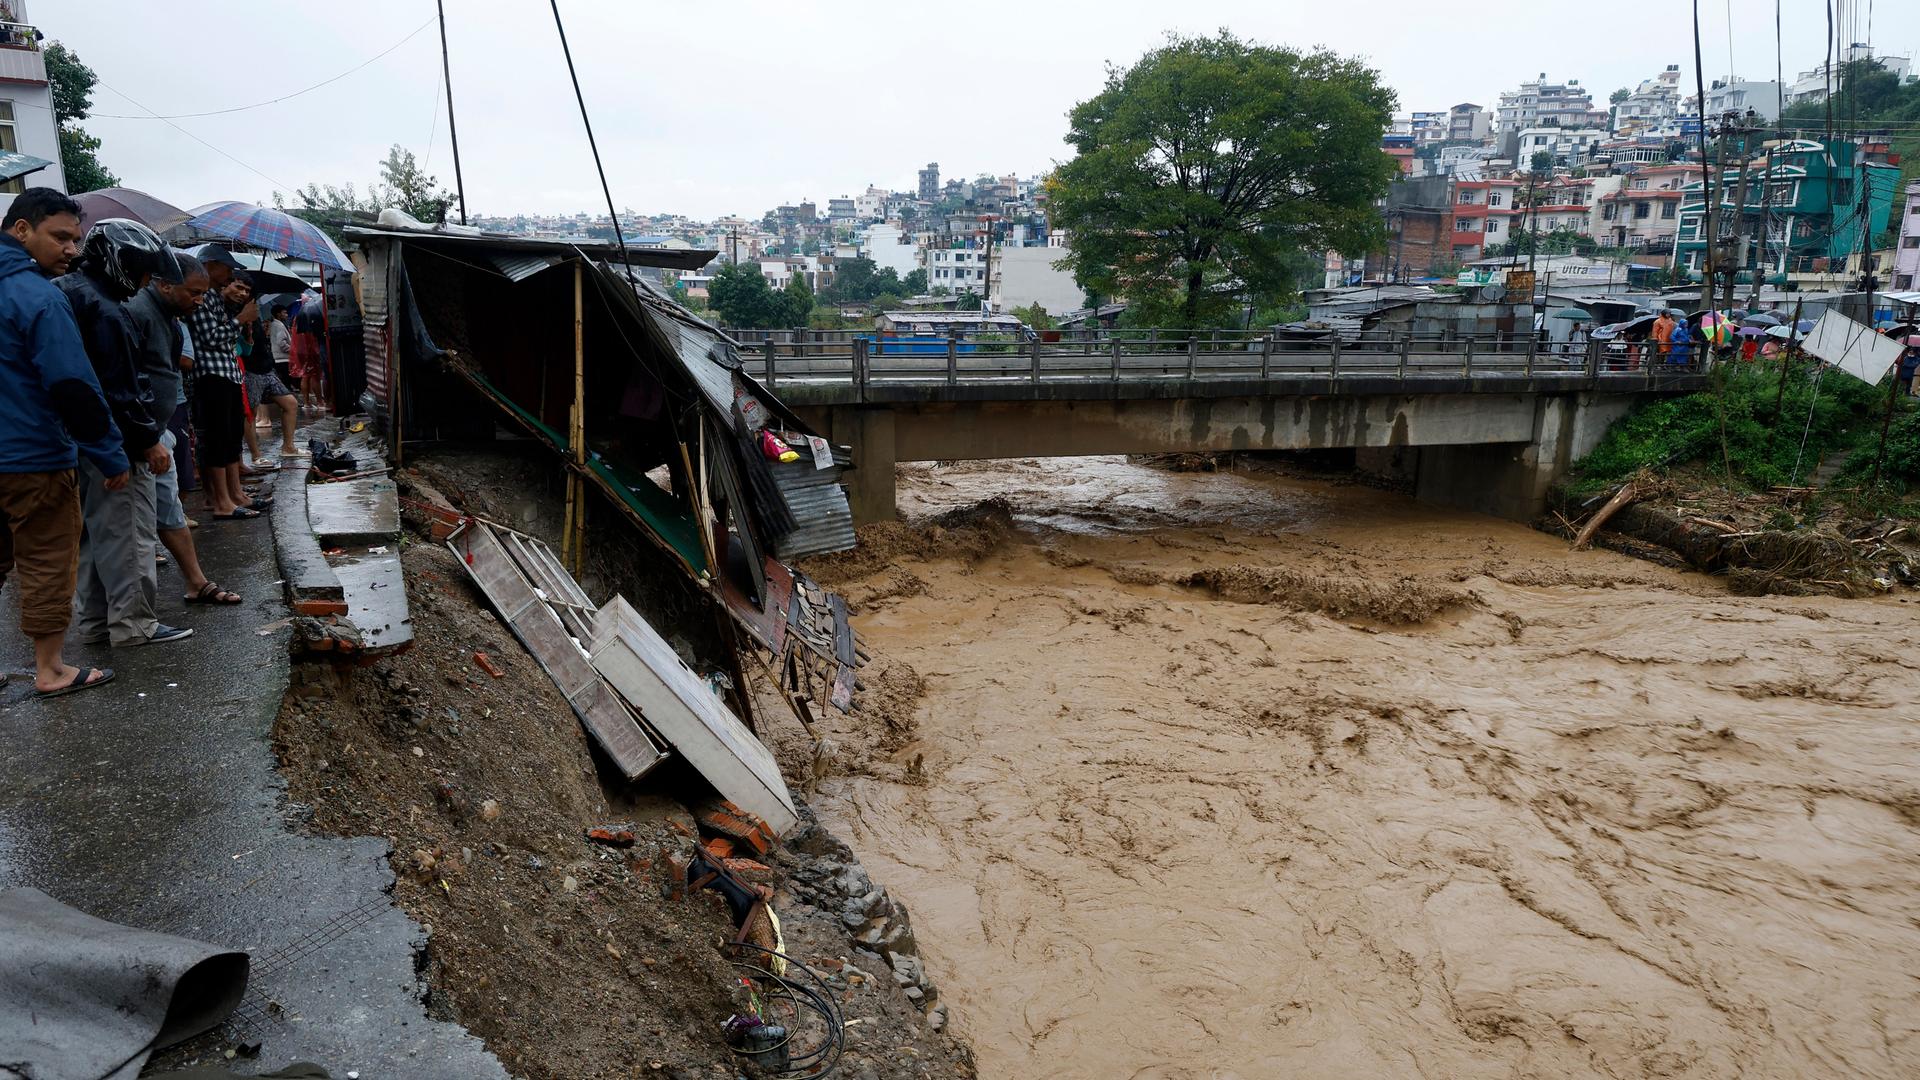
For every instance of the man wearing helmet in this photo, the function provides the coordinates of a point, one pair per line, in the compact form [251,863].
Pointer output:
[115,599]
[50,407]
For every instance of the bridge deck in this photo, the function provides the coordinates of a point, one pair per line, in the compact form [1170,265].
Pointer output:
[848,373]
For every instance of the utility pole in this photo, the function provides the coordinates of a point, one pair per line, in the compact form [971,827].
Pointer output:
[1738,239]
[1717,168]
[986,275]
[453,131]
[1765,263]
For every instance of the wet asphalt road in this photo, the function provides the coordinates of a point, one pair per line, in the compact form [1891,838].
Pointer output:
[154,802]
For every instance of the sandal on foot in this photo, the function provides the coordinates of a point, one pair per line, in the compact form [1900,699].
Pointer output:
[240,513]
[84,679]
[211,593]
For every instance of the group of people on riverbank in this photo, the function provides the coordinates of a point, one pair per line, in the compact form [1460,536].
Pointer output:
[124,364]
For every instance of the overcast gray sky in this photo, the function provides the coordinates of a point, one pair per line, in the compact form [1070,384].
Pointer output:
[733,107]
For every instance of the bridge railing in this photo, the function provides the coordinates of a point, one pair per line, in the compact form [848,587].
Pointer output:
[863,358]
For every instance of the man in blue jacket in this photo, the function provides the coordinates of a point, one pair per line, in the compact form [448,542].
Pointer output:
[50,404]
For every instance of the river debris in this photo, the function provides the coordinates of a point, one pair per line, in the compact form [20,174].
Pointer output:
[1400,601]
[1784,541]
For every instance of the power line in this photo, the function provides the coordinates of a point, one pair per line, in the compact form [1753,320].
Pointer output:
[612,214]
[276,183]
[271,101]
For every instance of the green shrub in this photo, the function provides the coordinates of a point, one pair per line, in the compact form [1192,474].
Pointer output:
[1761,445]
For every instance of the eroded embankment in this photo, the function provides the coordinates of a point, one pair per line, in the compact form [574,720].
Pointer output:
[1227,776]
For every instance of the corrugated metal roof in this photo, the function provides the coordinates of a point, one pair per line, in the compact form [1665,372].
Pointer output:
[819,505]
[521,265]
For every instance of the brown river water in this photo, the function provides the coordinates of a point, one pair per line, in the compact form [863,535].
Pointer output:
[1238,776]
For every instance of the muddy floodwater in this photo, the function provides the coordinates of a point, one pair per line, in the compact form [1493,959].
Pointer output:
[1236,776]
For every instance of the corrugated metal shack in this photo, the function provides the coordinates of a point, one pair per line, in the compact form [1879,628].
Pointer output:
[464,330]
[1423,312]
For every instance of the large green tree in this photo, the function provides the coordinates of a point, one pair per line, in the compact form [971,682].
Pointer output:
[858,280]
[407,186]
[72,85]
[740,294]
[1201,166]
[797,301]
[403,185]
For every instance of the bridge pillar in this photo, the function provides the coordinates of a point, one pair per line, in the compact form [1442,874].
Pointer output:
[1511,480]
[869,432]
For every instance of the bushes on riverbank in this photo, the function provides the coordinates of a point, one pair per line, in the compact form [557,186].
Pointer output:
[1736,432]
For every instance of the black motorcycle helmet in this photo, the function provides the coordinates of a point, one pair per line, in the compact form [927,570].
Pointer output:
[121,252]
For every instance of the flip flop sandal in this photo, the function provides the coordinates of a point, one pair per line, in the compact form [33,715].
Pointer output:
[240,513]
[79,682]
[211,593]
[260,502]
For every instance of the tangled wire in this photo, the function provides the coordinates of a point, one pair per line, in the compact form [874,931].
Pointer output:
[814,1061]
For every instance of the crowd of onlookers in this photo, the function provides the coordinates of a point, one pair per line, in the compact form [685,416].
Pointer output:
[130,371]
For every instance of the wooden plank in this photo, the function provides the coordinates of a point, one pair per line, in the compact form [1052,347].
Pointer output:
[677,702]
[547,639]
[842,631]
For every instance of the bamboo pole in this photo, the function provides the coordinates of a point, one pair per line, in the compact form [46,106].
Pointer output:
[577,437]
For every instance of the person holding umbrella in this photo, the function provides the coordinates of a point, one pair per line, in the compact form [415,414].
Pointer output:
[257,357]
[219,413]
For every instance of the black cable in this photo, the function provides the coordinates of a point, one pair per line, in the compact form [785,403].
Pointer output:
[816,1062]
[618,235]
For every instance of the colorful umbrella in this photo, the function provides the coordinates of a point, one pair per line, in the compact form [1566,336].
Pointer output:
[274,230]
[127,203]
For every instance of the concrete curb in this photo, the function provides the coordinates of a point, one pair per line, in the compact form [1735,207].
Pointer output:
[311,585]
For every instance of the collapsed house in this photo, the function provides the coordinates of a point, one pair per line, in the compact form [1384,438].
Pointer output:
[647,408]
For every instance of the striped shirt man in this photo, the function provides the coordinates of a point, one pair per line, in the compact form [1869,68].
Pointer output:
[216,337]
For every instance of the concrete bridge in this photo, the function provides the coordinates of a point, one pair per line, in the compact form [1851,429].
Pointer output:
[1484,424]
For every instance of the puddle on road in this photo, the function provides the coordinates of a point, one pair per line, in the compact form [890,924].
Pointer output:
[1596,819]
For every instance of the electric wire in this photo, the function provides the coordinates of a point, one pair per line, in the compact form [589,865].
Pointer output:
[270,101]
[203,142]
[573,74]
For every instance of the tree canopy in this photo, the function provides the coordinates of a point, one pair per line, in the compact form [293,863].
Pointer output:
[745,301]
[404,185]
[71,83]
[859,280]
[1207,161]
[1867,96]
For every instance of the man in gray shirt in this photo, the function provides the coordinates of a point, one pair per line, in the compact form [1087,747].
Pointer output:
[157,311]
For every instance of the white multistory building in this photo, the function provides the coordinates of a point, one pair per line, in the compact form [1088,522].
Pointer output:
[1813,85]
[1542,103]
[1652,106]
[27,123]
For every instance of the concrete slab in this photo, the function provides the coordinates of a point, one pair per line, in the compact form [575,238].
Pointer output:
[348,512]
[376,597]
[311,586]
[154,801]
